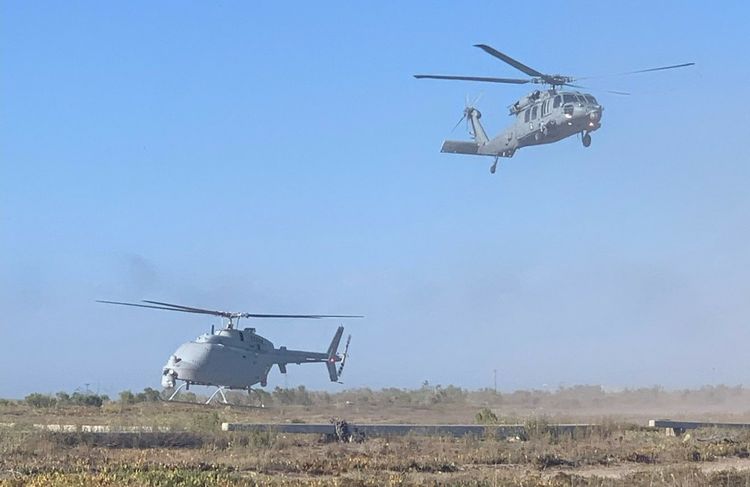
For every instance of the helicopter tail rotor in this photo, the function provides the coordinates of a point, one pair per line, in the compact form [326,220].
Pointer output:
[344,355]
[471,115]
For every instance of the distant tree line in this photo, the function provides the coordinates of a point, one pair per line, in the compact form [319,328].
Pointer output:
[562,398]
[62,399]
[38,400]
[426,395]
[148,395]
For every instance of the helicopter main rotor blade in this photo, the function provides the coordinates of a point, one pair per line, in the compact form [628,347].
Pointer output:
[504,57]
[179,307]
[149,306]
[223,314]
[309,317]
[513,81]
[614,92]
[228,314]
[660,68]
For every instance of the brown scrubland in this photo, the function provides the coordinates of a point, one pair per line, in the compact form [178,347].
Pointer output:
[187,446]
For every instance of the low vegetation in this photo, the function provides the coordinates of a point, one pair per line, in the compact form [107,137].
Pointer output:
[37,400]
[187,448]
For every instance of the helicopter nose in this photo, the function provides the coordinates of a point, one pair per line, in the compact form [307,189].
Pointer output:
[595,115]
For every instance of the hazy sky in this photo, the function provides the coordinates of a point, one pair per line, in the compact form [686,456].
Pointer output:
[258,157]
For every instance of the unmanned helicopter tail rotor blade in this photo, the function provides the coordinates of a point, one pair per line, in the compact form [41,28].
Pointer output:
[513,81]
[505,58]
[344,355]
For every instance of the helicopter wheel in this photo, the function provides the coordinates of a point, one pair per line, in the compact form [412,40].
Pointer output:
[586,139]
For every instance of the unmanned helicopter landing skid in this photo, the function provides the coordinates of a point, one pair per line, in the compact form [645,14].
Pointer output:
[542,117]
[231,358]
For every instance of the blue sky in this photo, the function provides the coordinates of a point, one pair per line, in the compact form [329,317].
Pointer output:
[281,158]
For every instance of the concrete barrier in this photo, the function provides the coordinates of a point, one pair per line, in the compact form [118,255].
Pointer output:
[673,428]
[98,428]
[373,430]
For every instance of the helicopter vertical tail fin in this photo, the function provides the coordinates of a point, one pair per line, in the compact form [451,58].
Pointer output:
[332,357]
[472,116]
[477,131]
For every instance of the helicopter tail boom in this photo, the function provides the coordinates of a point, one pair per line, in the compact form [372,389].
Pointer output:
[284,356]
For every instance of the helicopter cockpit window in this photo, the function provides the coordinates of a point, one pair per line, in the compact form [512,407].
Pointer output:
[534,112]
[590,99]
[556,103]
[526,115]
[568,98]
[581,99]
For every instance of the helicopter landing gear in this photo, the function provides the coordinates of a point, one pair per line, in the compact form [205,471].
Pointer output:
[179,388]
[219,390]
[586,139]
[493,168]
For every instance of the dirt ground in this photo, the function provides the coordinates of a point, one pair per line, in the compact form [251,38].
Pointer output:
[622,451]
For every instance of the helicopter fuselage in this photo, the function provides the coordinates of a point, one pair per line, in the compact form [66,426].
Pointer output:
[233,359]
[542,117]
[549,116]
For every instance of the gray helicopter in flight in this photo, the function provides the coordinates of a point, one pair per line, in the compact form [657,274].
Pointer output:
[542,116]
[231,358]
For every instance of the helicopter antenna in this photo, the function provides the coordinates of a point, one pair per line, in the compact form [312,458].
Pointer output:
[232,317]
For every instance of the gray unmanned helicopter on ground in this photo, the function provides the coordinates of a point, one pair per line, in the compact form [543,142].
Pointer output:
[542,116]
[237,359]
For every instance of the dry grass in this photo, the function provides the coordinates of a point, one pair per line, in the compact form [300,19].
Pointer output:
[196,453]
[640,458]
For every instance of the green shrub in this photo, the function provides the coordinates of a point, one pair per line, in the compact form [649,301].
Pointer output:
[148,395]
[486,416]
[127,397]
[37,400]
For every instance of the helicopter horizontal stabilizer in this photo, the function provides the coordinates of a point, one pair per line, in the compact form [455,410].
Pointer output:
[460,147]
